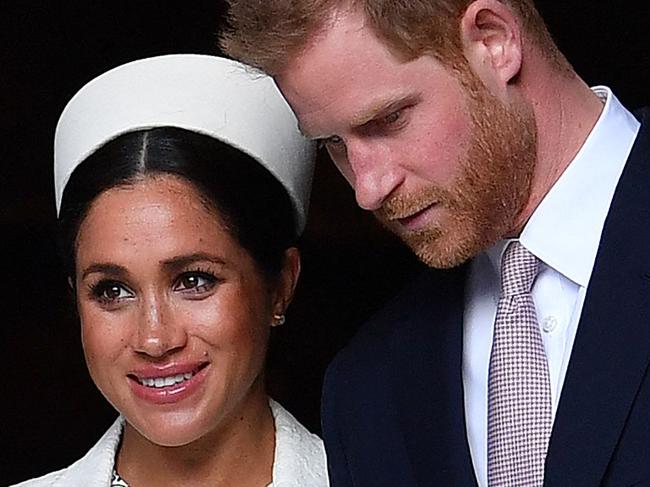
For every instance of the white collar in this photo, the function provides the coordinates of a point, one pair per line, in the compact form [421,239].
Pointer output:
[564,230]
[299,458]
[299,455]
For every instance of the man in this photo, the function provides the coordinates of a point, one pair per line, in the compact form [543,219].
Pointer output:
[468,134]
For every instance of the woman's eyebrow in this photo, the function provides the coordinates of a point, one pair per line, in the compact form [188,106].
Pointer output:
[104,268]
[180,261]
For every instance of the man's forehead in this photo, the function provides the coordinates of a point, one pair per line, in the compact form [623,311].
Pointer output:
[346,75]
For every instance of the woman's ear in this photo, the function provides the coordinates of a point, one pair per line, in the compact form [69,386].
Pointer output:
[288,280]
[491,36]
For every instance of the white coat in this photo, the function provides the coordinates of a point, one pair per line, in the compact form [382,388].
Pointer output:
[299,459]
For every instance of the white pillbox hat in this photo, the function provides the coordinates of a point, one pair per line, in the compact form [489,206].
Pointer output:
[210,95]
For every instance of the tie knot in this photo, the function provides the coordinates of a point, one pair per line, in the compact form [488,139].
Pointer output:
[518,270]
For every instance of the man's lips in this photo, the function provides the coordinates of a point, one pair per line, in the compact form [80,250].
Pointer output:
[414,220]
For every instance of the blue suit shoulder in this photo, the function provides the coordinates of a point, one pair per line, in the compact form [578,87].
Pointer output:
[385,337]
[386,369]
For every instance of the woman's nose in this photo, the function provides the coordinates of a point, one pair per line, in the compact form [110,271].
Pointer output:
[159,332]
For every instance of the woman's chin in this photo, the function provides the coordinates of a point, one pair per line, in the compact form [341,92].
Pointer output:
[168,430]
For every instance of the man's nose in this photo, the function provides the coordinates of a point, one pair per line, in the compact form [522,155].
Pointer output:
[159,332]
[375,174]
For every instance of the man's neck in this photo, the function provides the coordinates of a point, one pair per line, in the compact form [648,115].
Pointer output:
[566,111]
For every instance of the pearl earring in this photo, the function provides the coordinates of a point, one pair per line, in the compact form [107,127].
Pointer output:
[278,319]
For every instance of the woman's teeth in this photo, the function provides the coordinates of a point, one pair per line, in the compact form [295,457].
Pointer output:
[166,381]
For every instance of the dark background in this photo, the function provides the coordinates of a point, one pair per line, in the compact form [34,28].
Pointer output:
[51,411]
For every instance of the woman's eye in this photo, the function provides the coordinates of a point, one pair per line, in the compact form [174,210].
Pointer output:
[195,282]
[110,292]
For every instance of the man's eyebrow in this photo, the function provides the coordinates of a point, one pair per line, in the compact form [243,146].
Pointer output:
[383,107]
[379,108]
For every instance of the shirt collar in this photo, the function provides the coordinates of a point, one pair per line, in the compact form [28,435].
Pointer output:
[564,230]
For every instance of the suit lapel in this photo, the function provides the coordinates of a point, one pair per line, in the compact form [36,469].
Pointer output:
[429,392]
[612,346]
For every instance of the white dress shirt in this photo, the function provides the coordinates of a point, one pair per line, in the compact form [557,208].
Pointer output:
[564,233]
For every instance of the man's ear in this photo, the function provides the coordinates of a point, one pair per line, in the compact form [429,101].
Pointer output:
[491,35]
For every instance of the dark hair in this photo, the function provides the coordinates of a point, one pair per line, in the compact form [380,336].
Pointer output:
[254,205]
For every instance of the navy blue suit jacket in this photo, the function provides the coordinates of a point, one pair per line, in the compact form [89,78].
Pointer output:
[393,398]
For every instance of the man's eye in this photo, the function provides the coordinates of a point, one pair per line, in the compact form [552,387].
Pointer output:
[195,282]
[393,117]
[334,140]
[330,142]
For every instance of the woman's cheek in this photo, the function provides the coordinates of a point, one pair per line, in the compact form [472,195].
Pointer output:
[104,337]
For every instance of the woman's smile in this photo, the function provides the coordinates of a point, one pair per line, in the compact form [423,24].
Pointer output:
[172,384]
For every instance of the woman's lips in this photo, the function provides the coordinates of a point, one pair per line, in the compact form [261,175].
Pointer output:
[166,385]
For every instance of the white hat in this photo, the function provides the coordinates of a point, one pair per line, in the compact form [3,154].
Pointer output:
[214,96]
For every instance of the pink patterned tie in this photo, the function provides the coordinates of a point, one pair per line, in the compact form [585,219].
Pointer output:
[519,392]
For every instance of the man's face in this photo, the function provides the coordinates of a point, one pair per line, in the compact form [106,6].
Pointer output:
[442,163]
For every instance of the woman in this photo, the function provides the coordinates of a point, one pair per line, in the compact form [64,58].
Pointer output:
[181,186]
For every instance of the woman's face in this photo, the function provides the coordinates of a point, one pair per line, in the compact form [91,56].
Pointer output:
[174,314]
